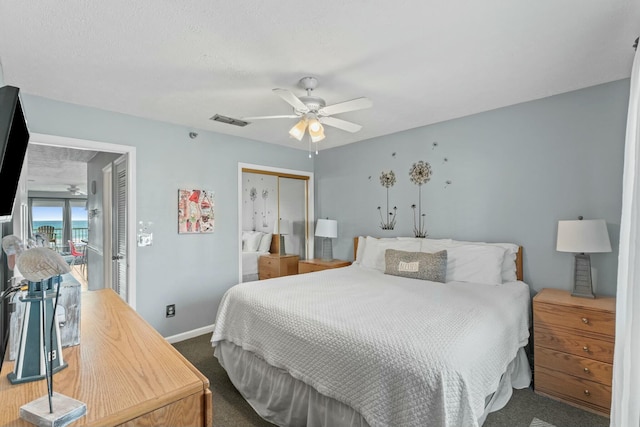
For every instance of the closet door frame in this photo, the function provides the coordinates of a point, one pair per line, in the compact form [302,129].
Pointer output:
[285,173]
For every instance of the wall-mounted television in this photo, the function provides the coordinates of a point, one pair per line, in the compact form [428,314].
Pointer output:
[14,137]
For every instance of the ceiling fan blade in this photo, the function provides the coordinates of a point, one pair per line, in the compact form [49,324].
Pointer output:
[340,124]
[286,116]
[343,107]
[291,99]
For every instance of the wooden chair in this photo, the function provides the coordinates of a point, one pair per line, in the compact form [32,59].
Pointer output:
[49,231]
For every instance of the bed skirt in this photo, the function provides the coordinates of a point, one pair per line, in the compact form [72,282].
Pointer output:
[285,401]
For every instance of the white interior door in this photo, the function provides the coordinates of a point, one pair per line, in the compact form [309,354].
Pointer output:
[107,225]
[119,236]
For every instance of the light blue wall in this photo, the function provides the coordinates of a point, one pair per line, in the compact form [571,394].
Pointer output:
[191,271]
[515,172]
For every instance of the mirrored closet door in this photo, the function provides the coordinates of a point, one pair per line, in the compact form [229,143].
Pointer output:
[276,217]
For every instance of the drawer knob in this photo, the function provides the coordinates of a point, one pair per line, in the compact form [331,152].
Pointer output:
[586,370]
[585,348]
[585,320]
[587,393]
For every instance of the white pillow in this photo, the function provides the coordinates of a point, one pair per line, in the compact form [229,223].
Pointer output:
[265,243]
[475,263]
[508,270]
[253,241]
[374,250]
[362,241]
[435,245]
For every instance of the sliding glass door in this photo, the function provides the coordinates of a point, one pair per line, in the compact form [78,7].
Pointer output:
[56,221]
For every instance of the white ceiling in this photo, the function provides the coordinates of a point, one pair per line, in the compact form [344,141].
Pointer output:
[55,169]
[419,61]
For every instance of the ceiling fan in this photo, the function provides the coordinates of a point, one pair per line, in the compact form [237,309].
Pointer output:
[75,190]
[313,111]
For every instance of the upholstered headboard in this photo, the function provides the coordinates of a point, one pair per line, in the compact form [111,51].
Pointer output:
[519,266]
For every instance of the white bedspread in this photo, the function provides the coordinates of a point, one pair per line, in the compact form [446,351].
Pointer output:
[401,352]
[250,262]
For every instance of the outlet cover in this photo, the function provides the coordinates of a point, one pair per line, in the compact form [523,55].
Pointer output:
[171,310]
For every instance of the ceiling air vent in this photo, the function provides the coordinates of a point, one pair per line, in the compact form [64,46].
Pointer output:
[229,120]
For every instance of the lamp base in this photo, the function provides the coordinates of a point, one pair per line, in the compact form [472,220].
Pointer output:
[327,250]
[582,277]
[282,250]
[65,411]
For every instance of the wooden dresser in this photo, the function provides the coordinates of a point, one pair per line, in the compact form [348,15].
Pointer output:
[126,373]
[273,265]
[573,348]
[316,264]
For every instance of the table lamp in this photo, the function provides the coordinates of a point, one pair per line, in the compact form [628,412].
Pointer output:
[327,229]
[284,228]
[583,237]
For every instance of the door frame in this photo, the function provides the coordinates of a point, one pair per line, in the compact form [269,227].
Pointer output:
[85,144]
[310,205]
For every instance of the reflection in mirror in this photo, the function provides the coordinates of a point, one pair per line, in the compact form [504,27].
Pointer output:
[274,218]
[293,209]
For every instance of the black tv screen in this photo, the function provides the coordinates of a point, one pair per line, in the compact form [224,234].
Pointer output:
[14,138]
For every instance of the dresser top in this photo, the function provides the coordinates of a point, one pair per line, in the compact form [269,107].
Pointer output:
[121,369]
[562,297]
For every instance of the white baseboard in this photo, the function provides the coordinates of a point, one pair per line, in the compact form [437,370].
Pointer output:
[190,334]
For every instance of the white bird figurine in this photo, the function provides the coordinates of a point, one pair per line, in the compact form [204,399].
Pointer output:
[13,247]
[37,264]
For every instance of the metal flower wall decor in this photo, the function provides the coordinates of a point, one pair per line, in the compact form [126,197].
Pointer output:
[388,221]
[420,173]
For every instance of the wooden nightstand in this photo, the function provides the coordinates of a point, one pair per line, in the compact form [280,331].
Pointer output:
[316,264]
[274,265]
[573,348]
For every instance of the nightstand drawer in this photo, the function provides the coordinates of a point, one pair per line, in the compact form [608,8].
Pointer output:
[304,267]
[580,319]
[566,342]
[575,390]
[270,266]
[573,365]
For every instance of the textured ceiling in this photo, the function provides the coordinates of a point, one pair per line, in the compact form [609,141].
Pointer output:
[56,168]
[419,61]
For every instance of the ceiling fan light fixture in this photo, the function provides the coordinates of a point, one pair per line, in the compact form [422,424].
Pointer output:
[314,125]
[297,131]
[318,135]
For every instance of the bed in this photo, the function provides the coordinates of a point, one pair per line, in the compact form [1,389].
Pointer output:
[357,347]
[254,245]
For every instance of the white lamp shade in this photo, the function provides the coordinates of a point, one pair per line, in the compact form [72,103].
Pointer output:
[583,236]
[284,227]
[327,228]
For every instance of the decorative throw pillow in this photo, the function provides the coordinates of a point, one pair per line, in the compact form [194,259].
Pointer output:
[416,265]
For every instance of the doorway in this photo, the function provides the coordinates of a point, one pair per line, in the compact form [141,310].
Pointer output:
[126,225]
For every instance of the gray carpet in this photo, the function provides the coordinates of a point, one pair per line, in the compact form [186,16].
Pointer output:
[523,410]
